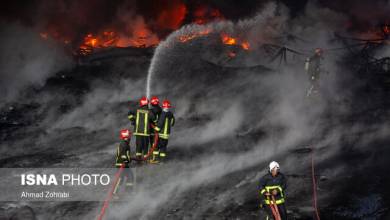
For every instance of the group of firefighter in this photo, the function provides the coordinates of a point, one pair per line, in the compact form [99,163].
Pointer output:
[151,119]
[151,127]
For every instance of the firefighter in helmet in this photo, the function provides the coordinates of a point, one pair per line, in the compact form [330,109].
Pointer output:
[123,150]
[272,187]
[156,109]
[164,124]
[142,119]
[313,70]
[123,159]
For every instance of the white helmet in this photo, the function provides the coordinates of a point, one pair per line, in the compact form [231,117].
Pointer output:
[272,165]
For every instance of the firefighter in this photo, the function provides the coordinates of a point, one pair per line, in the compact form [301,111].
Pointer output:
[142,119]
[156,109]
[272,187]
[313,69]
[123,159]
[164,124]
[123,150]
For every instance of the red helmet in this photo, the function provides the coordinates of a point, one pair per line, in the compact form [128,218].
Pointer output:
[166,104]
[154,100]
[318,51]
[143,101]
[124,134]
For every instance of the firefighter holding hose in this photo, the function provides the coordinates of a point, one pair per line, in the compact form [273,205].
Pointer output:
[122,161]
[272,187]
[142,119]
[156,109]
[123,150]
[165,122]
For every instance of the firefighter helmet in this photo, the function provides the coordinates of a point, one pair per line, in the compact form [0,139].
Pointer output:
[166,104]
[124,134]
[143,101]
[273,165]
[318,51]
[154,100]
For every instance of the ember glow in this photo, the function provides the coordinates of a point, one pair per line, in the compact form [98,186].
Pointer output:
[226,39]
[245,45]
[139,31]
[229,40]
[202,33]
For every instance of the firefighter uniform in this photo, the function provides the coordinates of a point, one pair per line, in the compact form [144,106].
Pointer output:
[142,119]
[123,153]
[123,158]
[164,124]
[156,110]
[313,69]
[267,184]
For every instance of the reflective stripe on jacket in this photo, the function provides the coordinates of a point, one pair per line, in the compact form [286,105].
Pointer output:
[268,183]
[165,122]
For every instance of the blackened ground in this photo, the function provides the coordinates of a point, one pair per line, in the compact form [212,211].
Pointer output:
[28,141]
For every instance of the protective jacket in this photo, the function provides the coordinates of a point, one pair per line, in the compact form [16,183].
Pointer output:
[268,183]
[156,109]
[123,153]
[141,119]
[164,124]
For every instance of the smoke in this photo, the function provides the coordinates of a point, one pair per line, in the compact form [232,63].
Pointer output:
[101,107]
[27,60]
[228,102]
[233,115]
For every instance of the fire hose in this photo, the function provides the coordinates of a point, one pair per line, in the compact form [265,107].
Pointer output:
[314,186]
[111,192]
[274,208]
[119,172]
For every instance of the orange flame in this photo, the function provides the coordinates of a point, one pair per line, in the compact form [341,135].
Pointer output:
[245,45]
[226,39]
[185,38]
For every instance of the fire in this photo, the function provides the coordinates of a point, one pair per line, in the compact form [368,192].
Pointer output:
[90,40]
[173,16]
[228,40]
[245,45]
[139,31]
[185,38]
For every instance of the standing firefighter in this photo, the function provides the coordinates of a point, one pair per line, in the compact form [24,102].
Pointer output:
[122,160]
[272,188]
[164,124]
[142,119]
[156,109]
[313,69]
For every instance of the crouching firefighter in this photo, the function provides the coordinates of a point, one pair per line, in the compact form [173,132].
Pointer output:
[122,160]
[142,119]
[272,188]
[164,124]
